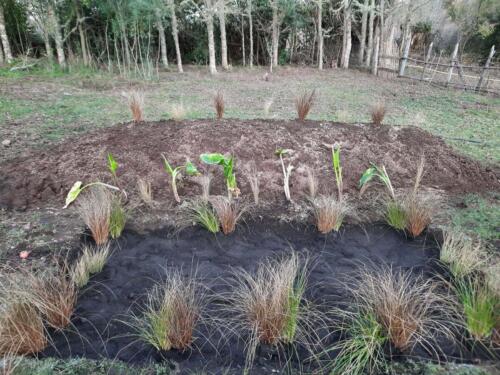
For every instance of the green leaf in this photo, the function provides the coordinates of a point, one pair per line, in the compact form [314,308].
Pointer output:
[281,151]
[191,169]
[76,189]
[167,165]
[112,164]
[213,159]
[367,176]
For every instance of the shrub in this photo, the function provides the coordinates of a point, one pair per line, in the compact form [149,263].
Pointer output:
[480,306]
[136,104]
[117,219]
[304,103]
[328,212]
[461,254]
[95,210]
[219,104]
[178,112]
[145,191]
[91,261]
[172,313]
[228,212]
[378,112]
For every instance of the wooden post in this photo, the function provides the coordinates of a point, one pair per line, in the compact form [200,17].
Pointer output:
[427,58]
[485,68]
[406,52]
[452,64]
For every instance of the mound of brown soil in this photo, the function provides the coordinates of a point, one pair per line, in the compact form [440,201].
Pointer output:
[43,178]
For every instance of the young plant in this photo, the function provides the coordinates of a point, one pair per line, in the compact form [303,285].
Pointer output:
[337,169]
[228,213]
[201,213]
[376,172]
[329,212]
[172,313]
[280,152]
[112,165]
[378,113]
[145,191]
[480,306]
[304,103]
[175,173]
[418,213]
[219,104]
[95,209]
[395,215]
[91,261]
[253,179]
[77,188]
[136,104]
[227,163]
[117,218]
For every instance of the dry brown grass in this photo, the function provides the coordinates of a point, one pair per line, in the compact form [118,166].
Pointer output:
[329,212]
[378,112]
[204,181]
[219,104]
[228,212]
[253,177]
[95,209]
[418,212]
[312,182]
[145,191]
[136,104]
[178,112]
[411,309]
[304,103]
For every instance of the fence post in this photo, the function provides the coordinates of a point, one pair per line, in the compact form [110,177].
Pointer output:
[427,58]
[406,52]
[452,64]
[485,68]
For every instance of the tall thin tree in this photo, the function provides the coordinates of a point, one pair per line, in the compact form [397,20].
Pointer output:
[3,36]
[221,13]
[175,34]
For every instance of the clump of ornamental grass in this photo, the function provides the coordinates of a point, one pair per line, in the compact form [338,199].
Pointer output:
[199,212]
[268,307]
[178,112]
[253,177]
[287,171]
[228,212]
[391,306]
[95,209]
[304,103]
[145,191]
[92,261]
[117,218]
[136,104]
[378,112]
[462,255]
[219,105]
[176,173]
[173,310]
[480,306]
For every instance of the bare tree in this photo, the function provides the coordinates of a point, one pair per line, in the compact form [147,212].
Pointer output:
[55,30]
[347,38]
[250,26]
[81,33]
[161,32]
[320,34]
[208,16]
[275,27]
[175,34]
[371,23]
[362,40]
[221,13]
[3,37]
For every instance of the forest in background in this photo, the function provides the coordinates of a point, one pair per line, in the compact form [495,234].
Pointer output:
[140,36]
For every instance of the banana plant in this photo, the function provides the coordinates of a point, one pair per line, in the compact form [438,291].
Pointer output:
[280,152]
[337,168]
[379,172]
[77,188]
[175,173]
[227,163]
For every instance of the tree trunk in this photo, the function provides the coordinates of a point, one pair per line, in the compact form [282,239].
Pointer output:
[320,34]
[56,30]
[347,42]
[250,24]
[81,32]
[362,42]
[209,19]
[3,37]
[48,47]
[371,23]
[163,42]
[243,40]
[221,12]
[275,33]
[175,34]
[1,54]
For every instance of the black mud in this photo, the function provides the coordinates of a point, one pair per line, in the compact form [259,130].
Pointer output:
[140,260]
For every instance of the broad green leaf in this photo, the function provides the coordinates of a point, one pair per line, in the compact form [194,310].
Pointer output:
[167,165]
[191,169]
[281,151]
[213,159]
[76,189]
[112,164]
[367,176]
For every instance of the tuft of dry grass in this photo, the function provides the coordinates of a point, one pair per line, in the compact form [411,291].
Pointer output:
[91,261]
[378,112]
[411,309]
[219,104]
[312,182]
[304,103]
[329,212]
[136,104]
[253,176]
[228,212]
[204,181]
[95,209]
[267,107]
[417,211]
[178,112]
[172,312]
[145,191]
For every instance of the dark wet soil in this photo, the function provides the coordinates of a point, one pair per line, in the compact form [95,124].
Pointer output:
[141,260]
[41,178]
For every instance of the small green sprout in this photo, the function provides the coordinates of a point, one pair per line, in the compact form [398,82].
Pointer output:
[337,168]
[112,165]
[189,167]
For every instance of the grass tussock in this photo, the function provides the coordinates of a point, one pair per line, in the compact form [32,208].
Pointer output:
[268,306]
[228,212]
[92,261]
[171,314]
[135,101]
[391,306]
[95,209]
[178,112]
[304,103]
[201,213]
[328,212]
[219,105]
[145,191]
[253,177]
[462,255]
[378,112]
[117,218]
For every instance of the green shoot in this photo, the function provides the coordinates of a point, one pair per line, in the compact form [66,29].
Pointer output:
[280,152]
[117,219]
[337,168]
[395,215]
[175,173]
[227,163]
[294,298]
[381,173]
[112,165]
